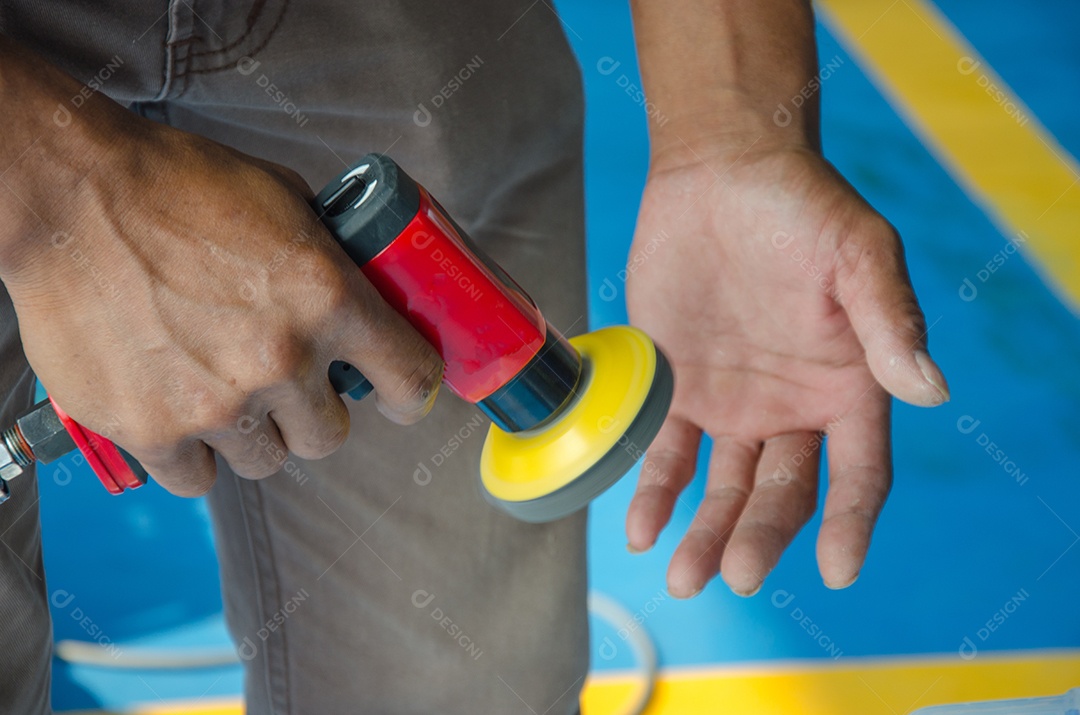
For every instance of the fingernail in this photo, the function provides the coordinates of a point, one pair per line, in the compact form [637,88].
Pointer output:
[932,373]
[747,594]
[433,393]
[836,586]
[688,596]
[635,551]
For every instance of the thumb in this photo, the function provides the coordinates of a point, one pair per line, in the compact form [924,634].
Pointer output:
[874,289]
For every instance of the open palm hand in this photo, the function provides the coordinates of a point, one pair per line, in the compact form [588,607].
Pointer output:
[783,301]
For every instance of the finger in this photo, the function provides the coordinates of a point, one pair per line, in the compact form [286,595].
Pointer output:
[403,368]
[875,290]
[313,422]
[731,475]
[253,448]
[669,466]
[783,500]
[860,476]
[186,470]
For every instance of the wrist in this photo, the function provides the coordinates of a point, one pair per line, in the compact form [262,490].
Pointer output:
[727,77]
[54,135]
[727,130]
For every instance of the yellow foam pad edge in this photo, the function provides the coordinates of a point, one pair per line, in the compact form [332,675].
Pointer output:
[620,366]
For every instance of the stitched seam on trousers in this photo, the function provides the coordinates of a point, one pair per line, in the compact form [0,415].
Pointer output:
[253,17]
[259,48]
[171,29]
[266,582]
[173,43]
[183,62]
[182,75]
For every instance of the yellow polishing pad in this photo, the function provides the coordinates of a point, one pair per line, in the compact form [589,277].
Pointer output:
[619,382]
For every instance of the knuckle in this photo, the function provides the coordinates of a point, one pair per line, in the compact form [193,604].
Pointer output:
[205,412]
[258,471]
[193,487]
[662,466]
[653,497]
[262,465]
[279,358]
[310,264]
[728,493]
[147,443]
[169,419]
[326,286]
[262,456]
[325,442]
[872,243]
[184,473]
[338,297]
[419,386]
[912,321]
[322,432]
[769,532]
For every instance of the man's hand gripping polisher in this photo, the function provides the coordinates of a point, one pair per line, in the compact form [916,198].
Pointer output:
[569,417]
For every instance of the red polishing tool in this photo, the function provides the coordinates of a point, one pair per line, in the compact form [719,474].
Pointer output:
[569,417]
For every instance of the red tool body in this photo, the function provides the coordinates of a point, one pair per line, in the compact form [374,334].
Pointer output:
[485,330]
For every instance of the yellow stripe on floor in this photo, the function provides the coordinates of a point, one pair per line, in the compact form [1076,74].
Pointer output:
[988,140]
[867,686]
[863,686]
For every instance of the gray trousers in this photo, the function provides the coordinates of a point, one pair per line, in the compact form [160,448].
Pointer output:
[394,587]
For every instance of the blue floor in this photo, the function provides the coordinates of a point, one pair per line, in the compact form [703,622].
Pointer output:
[964,532]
